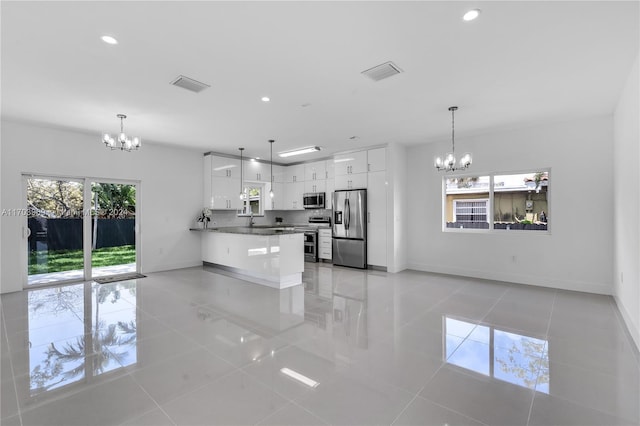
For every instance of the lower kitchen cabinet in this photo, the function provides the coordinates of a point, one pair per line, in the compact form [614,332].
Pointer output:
[324,244]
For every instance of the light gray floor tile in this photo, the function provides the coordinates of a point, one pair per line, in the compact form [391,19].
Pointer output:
[293,415]
[108,403]
[356,401]
[183,373]
[154,417]
[487,400]
[552,411]
[234,399]
[423,412]
[617,396]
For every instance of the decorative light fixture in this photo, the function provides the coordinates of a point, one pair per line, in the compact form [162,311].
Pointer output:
[122,142]
[271,141]
[241,177]
[448,163]
[305,150]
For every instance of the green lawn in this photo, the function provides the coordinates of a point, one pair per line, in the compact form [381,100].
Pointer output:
[42,262]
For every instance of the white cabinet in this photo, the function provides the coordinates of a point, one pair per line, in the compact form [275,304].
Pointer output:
[330,186]
[225,193]
[221,183]
[377,219]
[377,159]
[324,244]
[207,198]
[294,173]
[315,171]
[225,167]
[315,186]
[293,195]
[256,171]
[330,169]
[351,163]
[354,181]
[277,202]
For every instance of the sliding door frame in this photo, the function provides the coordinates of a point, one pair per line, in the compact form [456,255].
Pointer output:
[86,225]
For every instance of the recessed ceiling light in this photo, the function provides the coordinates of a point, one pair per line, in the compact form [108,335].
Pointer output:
[265,99]
[109,40]
[471,15]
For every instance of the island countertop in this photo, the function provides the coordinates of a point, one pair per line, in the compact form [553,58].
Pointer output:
[255,230]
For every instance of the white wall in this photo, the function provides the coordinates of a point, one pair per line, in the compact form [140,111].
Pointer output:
[626,275]
[170,191]
[578,255]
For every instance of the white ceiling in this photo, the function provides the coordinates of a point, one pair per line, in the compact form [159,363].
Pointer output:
[518,64]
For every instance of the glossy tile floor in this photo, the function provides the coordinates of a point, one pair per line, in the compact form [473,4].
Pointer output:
[192,347]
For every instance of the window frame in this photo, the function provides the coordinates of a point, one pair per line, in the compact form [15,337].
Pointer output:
[491,204]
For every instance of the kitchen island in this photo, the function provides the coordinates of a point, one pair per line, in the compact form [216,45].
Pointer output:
[269,256]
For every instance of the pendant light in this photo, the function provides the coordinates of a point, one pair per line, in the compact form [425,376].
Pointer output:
[271,141]
[448,163]
[241,175]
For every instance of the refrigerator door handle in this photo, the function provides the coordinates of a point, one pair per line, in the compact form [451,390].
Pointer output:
[347,219]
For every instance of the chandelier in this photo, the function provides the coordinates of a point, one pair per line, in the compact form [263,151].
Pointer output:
[122,141]
[448,163]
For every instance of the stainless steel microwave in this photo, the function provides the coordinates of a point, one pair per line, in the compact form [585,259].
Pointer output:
[313,200]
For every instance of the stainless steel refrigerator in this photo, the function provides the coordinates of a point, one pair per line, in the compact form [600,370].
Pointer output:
[350,228]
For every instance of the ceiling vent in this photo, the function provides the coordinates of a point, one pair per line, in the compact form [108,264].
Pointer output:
[382,71]
[189,84]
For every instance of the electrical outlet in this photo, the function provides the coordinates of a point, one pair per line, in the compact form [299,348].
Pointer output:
[621,277]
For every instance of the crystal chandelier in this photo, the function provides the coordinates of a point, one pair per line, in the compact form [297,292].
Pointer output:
[122,141]
[448,163]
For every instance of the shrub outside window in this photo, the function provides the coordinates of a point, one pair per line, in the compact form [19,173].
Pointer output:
[503,202]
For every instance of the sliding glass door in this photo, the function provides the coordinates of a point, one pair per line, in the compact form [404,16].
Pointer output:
[80,228]
[113,225]
[54,222]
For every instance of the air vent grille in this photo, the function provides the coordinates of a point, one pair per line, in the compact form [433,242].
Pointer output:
[382,71]
[189,84]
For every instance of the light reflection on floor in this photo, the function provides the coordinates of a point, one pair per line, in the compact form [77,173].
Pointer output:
[512,357]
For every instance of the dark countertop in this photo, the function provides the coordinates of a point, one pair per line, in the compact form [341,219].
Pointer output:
[255,230]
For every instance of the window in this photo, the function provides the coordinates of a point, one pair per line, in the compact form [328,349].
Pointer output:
[467,202]
[252,204]
[503,202]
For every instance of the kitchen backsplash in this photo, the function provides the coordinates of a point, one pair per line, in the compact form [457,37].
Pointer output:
[229,217]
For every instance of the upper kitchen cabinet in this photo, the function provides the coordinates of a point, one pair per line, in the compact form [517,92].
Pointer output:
[315,186]
[207,198]
[377,159]
[315,171]
[225,193]
[351,163]
[330,168]
[225,167]
[293,173]
[256,171]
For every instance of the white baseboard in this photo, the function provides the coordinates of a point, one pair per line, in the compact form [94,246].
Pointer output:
[628,322]
[170,266]
[517,278]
